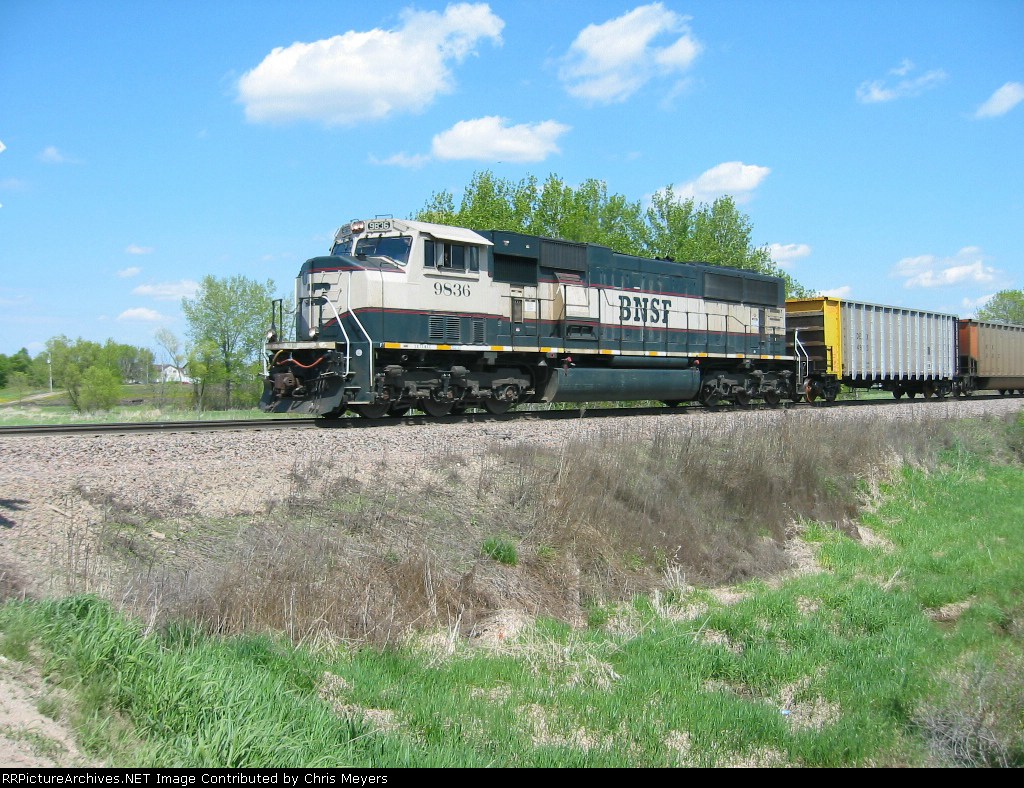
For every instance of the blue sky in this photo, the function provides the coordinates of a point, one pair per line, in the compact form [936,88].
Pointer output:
[875,146]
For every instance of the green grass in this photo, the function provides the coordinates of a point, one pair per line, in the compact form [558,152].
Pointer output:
[502,550]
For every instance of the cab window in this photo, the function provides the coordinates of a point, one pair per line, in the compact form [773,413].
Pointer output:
[445,256]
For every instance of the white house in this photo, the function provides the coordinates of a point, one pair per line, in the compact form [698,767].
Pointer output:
[170,374]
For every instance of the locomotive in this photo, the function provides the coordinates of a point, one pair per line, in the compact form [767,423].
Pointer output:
[404,315]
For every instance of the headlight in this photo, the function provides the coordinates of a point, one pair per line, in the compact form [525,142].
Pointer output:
[314,333]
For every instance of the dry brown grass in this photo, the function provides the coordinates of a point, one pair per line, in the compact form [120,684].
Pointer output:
[595,521]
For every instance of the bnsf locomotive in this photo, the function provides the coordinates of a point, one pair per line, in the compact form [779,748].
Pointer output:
[404,314]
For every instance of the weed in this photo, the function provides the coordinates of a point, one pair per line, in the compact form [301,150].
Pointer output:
[502,550]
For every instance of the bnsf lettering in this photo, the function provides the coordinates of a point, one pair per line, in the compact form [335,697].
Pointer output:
[643,310]
[450,289]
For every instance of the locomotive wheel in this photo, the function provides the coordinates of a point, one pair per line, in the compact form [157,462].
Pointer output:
[435,408]
[459,408]
[397,411]
[497,406]
[830,396]
[376,410]
[772,398]
[708,398]
[810,392]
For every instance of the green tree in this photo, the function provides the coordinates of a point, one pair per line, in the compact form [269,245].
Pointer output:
[19,362]
[679,229]
[1006,306]
[133,363]
[229,316]
[70,362]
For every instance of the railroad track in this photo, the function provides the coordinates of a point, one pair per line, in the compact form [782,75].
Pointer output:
[357,422]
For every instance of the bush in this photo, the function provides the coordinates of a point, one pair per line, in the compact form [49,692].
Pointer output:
[100,390]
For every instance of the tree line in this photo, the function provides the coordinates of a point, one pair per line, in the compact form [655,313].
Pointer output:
[227,317]
[220,358]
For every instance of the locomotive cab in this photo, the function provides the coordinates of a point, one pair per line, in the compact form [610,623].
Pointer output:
[350,303]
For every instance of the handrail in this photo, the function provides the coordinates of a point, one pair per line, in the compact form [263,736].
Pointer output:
[803,358]
[344,333]
[348,308]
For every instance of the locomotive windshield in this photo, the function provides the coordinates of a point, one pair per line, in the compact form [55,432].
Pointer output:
[392,248]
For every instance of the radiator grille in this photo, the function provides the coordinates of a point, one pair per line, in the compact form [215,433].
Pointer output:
[444,328]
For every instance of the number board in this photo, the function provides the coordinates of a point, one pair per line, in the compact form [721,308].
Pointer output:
[378,225]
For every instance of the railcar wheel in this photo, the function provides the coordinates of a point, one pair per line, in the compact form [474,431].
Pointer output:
[772,398]
[928,389]
[376,410]
[742,397]
[435,408]
[897,392]
[497,406]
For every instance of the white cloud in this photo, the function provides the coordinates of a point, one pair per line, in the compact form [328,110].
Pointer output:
[967,266]
[136,249]
[168,291]
[358,76]
[786,254]
[128,273]
[141,314]
[607,63]
[51,155]
[1002,101]
[836,292]
[402,160]
[2,146]
[492,139]
[904,86]
[731,177]
[972,305]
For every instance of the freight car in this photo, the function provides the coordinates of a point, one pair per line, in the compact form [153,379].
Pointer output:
[839,342]
[405,314]
[991,357]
